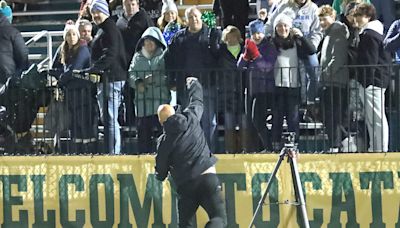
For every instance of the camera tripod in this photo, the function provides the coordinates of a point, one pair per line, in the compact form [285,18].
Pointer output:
[291,152]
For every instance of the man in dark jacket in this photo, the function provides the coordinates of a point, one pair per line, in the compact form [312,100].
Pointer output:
[14,53]
[373,79]
[108,55]
[193,51]
[183,151]
[132,23]
[233,13]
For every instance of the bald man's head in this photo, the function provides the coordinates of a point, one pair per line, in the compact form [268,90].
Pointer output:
[164,112]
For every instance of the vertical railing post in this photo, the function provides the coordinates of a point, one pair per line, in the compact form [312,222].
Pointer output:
[50,49]
[106,117]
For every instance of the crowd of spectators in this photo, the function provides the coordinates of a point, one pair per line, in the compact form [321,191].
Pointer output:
[295,56]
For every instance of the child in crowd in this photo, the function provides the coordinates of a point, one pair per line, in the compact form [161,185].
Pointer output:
[147,77]
[229,82]
[259,58]
[169,22]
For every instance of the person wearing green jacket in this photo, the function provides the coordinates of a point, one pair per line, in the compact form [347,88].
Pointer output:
[340,5]
[147,76]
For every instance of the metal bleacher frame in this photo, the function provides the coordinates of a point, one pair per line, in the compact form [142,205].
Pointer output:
[44,60]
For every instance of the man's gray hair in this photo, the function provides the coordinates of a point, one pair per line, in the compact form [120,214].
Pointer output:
[190,9]
[83,23]
[137,1]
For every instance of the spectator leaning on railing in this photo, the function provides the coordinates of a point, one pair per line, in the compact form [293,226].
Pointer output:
[373,79]
[147,76]
[108,55]
[14,53]
[80,95]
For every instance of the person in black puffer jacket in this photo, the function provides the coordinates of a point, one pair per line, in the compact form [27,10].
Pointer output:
[182,150]
[13,51]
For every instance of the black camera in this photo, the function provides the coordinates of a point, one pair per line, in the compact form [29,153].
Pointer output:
[289,139]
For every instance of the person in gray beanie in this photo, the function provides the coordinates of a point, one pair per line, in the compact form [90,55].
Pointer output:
[108,56]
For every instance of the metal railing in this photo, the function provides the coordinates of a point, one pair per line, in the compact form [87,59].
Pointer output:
[36,37]
[237,117]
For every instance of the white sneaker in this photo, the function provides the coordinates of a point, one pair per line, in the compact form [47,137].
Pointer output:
[333,150]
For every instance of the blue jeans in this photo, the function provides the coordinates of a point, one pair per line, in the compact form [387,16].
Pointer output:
[114,101]
[209,118]
[309,75]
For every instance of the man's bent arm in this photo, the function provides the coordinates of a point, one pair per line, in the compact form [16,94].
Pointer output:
[195,99]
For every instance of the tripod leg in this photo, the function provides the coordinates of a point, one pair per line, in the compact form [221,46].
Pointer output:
[298,191]
[269,183]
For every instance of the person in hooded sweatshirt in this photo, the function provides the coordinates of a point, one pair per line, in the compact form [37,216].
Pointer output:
[147,76]
[14,53]
[183,152]
[334,76]
[373,79]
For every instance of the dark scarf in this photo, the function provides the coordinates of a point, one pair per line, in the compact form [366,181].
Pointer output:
[284,43]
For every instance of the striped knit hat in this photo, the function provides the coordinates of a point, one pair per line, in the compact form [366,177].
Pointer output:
[100,5]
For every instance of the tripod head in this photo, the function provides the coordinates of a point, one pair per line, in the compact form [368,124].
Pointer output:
[289,144]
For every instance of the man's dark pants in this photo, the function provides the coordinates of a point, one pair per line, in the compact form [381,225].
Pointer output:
[204,191]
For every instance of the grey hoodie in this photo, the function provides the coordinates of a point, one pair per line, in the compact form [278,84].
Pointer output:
[334,49]
[304,18]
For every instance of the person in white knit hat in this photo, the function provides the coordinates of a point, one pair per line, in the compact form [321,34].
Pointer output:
[169,22]
[80,115]
[292,47]
[303,13]
[169,13]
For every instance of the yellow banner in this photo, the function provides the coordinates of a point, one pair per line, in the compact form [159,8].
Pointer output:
[344,190]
